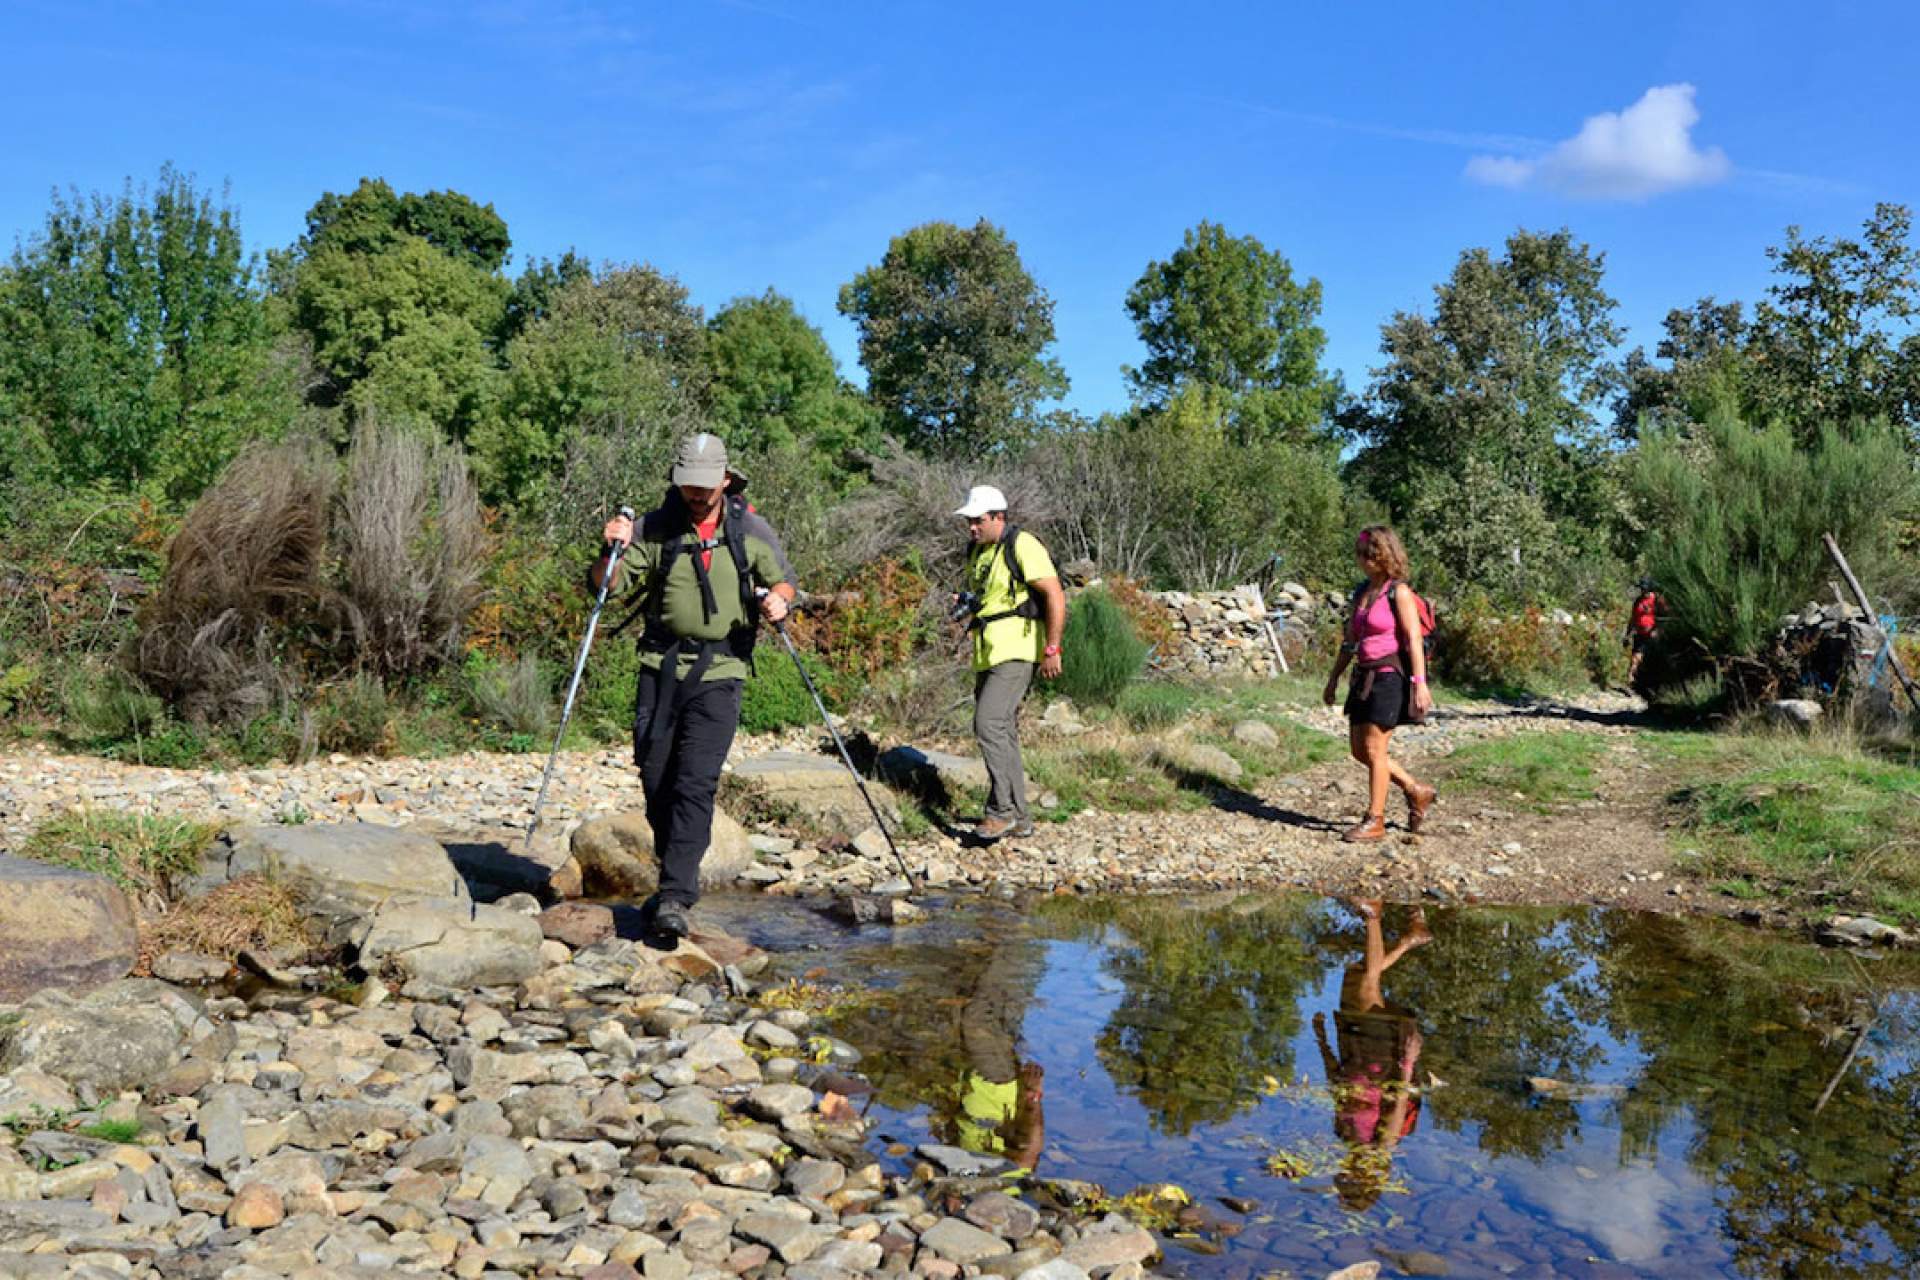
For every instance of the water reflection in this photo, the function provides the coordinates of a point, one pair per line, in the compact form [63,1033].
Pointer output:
[1376,1101]
[1526,1093]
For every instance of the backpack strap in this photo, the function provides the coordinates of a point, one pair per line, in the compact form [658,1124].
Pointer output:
[1026,606]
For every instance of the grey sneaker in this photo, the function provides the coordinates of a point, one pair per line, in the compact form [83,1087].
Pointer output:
[671,918]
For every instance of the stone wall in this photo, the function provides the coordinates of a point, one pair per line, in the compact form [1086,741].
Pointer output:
[1218,634]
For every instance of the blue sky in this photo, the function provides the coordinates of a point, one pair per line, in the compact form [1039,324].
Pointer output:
[747,143]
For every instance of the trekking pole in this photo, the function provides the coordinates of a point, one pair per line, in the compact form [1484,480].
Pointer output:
[846,757]
[573,685]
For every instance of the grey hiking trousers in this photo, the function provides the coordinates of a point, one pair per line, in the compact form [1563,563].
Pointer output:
[997,692]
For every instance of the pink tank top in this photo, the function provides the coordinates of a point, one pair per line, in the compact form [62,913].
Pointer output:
[1376,633]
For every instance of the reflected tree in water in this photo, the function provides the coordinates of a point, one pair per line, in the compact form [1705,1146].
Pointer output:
[1212,1003]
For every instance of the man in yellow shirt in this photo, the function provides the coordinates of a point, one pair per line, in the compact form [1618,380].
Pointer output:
[1019,612]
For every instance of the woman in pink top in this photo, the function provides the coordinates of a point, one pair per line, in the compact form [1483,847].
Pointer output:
[1389,679]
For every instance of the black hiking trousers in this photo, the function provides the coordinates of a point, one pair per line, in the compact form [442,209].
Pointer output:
[680,781]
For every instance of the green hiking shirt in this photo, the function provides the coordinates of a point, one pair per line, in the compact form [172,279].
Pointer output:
[680,606]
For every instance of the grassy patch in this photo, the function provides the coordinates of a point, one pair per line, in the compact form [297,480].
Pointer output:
[250,912]
[1542,769]
[140,853]
[1116,777]
[1821,818]
[1157,705]
[116,1131]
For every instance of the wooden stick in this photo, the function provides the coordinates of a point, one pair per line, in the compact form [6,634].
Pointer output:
[1860,1038]
[1866,605]
[1260,599]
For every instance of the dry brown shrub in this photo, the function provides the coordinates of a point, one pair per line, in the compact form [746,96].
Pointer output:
[247,560]
[247,913]
[412,545]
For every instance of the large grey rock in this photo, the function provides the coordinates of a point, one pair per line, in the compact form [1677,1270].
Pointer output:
[120,1037]
[1794,713]
[452,942]
[962,1242]
[813,792]
[61,928]
[944,774]
[615,855]
[1256,733]
[342,871]
[1200,758]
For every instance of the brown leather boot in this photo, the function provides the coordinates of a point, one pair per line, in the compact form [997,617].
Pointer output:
[1374,828]
[1419,800]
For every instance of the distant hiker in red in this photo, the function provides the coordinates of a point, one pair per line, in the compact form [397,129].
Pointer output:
[1386,647]
[1642,624]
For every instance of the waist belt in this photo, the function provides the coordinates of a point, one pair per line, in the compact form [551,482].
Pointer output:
[666,693]
[1363,673]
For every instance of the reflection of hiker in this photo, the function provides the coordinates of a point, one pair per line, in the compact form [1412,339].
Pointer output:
[1372,1076]
[1642,623]
[999,1105]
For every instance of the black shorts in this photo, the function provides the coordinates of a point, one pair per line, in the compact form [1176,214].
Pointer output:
[1386,705]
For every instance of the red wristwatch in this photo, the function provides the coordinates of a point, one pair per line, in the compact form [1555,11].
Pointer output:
[1052,651]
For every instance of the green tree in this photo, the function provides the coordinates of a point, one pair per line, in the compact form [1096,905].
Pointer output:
[1827,332]
[402,299]
[403,331]
[1831,343]
[1225,312]
[1510,374]
[594,394]
[372,218]
[953,336]
[134,347]
[535,290]
[1709,366]
[775,383]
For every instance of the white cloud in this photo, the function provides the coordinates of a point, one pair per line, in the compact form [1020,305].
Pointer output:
[1625,155]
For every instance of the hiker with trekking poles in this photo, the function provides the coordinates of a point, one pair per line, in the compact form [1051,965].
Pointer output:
[703,570]
[1016,611]
[1386,648]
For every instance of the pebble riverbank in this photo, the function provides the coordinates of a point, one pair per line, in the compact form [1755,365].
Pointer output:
[626,1112]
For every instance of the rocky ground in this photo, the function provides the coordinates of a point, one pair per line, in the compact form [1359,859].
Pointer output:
[522,1087]
[1281,833]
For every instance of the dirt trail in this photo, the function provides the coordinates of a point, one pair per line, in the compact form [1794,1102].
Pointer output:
[1612,848]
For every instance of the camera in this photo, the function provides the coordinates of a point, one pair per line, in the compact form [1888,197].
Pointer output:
[964,606]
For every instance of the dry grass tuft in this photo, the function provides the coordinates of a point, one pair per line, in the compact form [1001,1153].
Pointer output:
[249,913]
[247,558]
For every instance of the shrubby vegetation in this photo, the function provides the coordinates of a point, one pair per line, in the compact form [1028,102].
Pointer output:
[336,496]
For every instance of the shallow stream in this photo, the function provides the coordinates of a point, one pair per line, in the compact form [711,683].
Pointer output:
[1499,1092]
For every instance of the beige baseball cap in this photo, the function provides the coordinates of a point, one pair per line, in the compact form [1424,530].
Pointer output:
[701,461]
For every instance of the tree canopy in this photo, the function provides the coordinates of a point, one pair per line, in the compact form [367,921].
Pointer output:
[1225,312]
[953,336]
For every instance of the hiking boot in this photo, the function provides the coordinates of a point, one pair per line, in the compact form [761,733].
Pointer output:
[1419,800]
[1374,828]
[1024,828]
[671,919]
[996,829]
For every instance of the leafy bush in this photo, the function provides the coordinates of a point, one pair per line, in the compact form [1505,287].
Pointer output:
[355,716]
[879,620]
[1103,655]
[776,698]
[104,706]
[1526,651]
[516,696]
[1734,517]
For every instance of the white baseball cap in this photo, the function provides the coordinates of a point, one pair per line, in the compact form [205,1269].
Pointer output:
[982,500]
